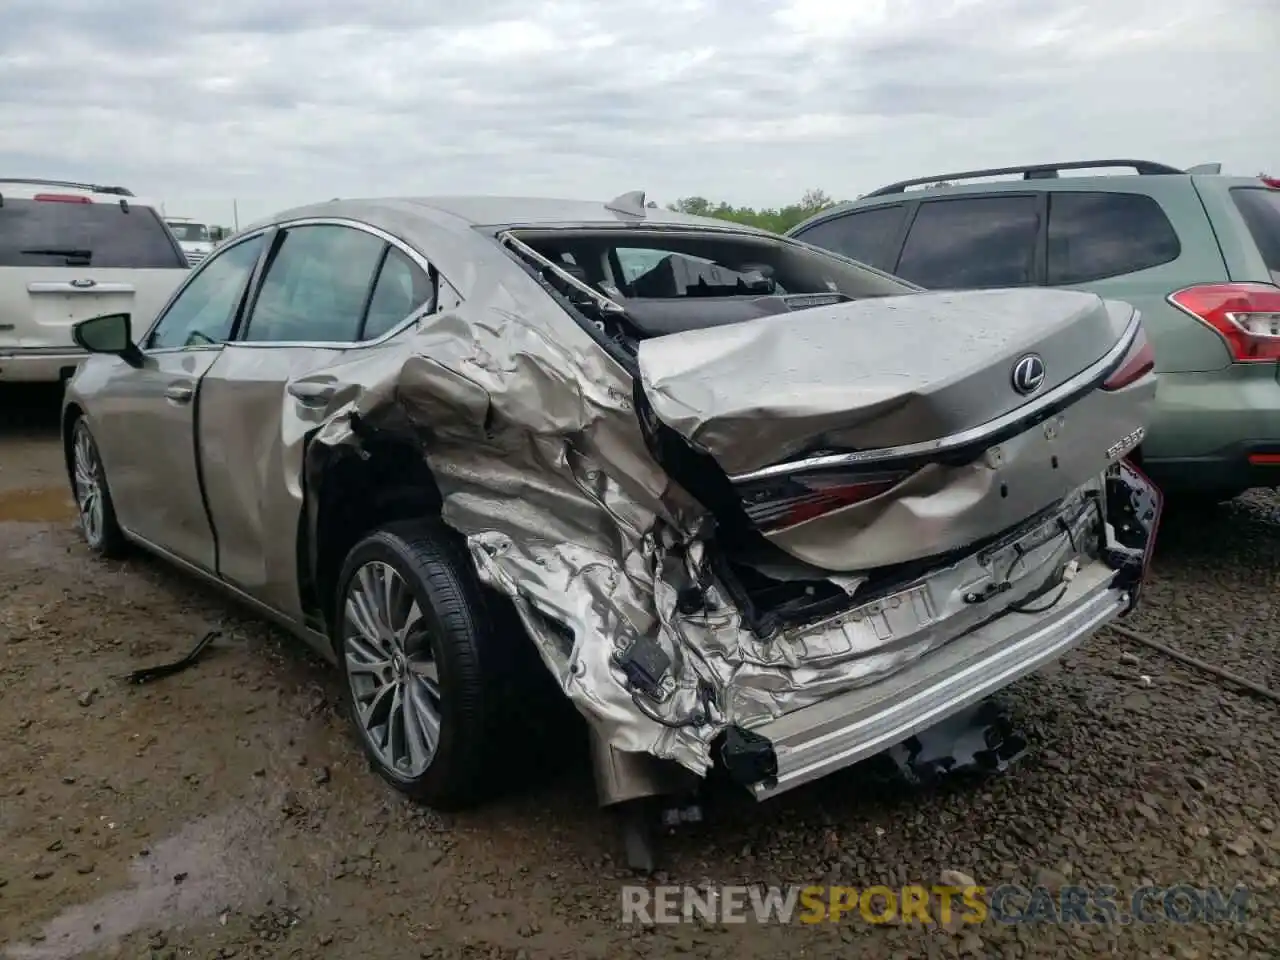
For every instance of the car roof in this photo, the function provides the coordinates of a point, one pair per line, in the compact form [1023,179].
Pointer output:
[1038,177]
[497,212]
[18,188]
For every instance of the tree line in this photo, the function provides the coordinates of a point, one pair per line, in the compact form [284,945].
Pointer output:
[775,219]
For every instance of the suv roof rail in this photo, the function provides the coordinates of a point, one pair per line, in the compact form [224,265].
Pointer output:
[93,187]
[1035,171]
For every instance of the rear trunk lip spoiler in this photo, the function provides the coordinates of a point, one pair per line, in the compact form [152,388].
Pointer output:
[990,432]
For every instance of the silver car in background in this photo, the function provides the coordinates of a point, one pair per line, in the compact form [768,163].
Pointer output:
[748,502]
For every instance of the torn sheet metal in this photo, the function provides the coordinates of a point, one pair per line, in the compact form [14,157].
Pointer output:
[528,426]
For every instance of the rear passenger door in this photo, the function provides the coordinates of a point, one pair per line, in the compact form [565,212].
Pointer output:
[974,242]
[328,289]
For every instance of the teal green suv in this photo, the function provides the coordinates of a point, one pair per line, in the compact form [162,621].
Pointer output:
[1198,253]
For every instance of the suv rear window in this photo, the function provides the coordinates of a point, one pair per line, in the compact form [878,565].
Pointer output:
[43,233]
[1094,235]
[1260,208]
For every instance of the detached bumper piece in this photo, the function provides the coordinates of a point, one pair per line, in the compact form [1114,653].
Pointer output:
[812,742]
[978,740]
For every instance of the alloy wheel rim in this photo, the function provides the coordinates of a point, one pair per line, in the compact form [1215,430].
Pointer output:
[394,679]
[87,473]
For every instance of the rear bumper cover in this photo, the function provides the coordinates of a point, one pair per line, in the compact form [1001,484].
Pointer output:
[38,364]
[817,740]
[785,752]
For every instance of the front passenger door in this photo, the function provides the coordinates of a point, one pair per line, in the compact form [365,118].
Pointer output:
[144,419]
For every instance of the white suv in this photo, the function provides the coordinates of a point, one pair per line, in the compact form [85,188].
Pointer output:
[69,251]
[193,238]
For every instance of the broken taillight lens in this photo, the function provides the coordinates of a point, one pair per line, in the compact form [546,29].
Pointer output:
[781,502]
[1246,315]
[1137,363]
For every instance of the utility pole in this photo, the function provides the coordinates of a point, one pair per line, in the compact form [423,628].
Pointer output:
[235,214]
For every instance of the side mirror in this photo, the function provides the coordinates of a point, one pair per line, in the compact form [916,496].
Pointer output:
[110,333]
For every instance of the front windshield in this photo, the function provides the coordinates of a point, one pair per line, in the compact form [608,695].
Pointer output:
[190,232]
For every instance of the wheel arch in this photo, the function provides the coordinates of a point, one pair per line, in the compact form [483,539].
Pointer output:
[357,488]
[70,414]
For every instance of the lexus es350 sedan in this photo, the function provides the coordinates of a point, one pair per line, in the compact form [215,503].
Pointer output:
[750,503]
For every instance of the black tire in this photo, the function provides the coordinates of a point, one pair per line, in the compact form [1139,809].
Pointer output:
[1190,500]
[103,537]
[432,561]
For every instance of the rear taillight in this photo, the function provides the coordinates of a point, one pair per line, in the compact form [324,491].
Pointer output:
[1137,363]
[1272,182]
[61,198]
[1246,315]
[785,501]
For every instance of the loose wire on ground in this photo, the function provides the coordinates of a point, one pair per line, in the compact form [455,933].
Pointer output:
[1191,661]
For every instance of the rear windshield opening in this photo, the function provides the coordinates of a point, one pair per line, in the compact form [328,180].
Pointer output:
[674,280]
[42,233]
[1260,208]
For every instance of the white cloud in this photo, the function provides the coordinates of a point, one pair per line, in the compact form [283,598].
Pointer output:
[751,101]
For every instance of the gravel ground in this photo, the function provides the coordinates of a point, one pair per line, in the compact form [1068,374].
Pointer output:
[225,812]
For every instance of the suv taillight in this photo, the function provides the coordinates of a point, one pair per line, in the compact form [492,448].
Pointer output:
[61,198]
[1246,315]
[1137,363]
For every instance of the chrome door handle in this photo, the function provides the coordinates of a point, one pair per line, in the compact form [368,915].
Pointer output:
[179,393]
[312,394]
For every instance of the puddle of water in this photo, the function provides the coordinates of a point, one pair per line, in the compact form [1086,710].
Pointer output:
[46,505]
[210,865]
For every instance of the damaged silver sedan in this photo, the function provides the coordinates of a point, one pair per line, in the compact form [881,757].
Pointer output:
[750,503]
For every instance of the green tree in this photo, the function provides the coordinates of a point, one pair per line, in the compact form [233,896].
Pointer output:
[776,219]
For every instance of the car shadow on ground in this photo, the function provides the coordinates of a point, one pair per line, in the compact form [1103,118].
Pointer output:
[29,411]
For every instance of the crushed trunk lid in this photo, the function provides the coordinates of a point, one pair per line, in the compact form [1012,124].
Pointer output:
[885,430]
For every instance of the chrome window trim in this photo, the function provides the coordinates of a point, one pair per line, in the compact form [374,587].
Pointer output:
[1080,382]
[192,273]
[418,259]
[422,262]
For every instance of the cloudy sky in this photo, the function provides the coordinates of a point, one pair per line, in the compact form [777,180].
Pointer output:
[276,102]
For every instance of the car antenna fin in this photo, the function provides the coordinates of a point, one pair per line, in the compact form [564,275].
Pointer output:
[630,204]
[1205,168]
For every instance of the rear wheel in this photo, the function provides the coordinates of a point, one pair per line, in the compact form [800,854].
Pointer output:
[413,634]
[95,511]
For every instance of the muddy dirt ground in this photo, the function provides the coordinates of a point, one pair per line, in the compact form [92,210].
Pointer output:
[225,811]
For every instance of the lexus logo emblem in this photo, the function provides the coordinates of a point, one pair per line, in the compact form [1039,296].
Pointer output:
[1028,374]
